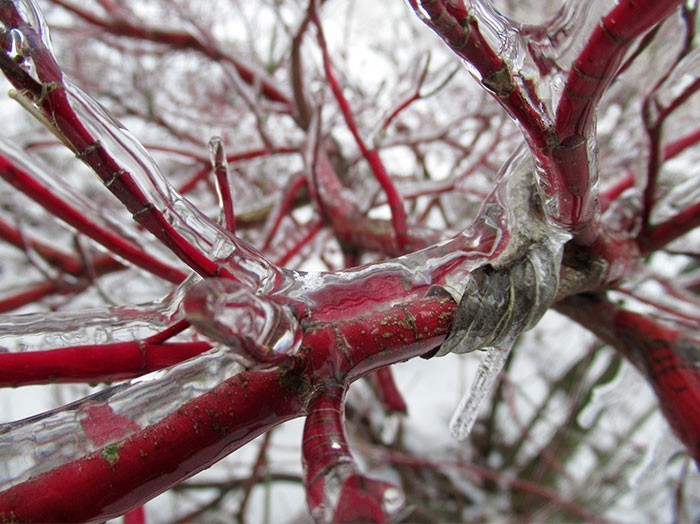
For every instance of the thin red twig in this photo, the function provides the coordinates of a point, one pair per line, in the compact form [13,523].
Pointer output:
[398,213]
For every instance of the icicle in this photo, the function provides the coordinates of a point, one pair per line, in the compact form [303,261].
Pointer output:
[507,294]
[467,411]
[497,306]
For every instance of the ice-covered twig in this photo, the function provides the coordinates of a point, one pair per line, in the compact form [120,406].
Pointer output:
[95,345]
[119,160]
[398,213]
[336,490]
[38,331]
[29,177]
[224,183]
[90,428]
[669,357]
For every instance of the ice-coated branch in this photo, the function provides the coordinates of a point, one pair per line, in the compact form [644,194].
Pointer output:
[224,182]
[667,356]
[596,66]
[118,158]
[107,362]
[170,424]
[562,138]
[336,489]
[398,213]
[38,331]
[107,345]
[258,331]
[82,215]
[117,439]
[457,24]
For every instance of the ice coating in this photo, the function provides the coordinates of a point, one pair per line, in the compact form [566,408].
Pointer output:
[336,488]
[224,182]
[500,303]
[258,331]
[209,238]
[41,443]
[135,160]
[556,44]
[101,216]
[37,331]
[34,16]
[19,48]
[229,251]
[447,263]
[503,32]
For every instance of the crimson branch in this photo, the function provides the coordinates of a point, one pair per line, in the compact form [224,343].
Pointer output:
[538,208]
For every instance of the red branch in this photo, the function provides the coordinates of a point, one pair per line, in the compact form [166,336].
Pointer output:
[202,431]
[667,357]
[336,491]
[74,217]
[658,235]
[93,363]
[398,213]
[52,99]
[177,40]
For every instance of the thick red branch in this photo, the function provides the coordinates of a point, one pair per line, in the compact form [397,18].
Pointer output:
[667,357]
[126,473]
